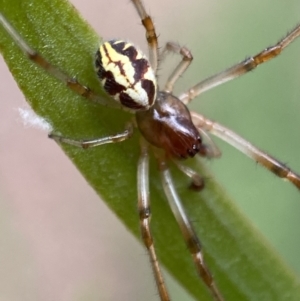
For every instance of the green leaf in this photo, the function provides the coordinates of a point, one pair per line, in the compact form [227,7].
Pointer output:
[243,265]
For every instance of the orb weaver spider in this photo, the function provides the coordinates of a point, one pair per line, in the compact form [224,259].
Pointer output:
[201,123]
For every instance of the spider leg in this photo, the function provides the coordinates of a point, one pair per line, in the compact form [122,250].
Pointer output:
[197,180]
[39,60]
[240,68]
[181,67]
[126,134]
[209,149]
[190,237]
[275,166]
[145,214]
[150,33]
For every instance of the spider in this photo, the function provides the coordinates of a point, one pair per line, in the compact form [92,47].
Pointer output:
[180,140]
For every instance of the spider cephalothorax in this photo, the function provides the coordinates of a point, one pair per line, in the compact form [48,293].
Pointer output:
[172,120]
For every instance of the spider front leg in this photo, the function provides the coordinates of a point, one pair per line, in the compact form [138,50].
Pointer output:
[272,164]
[119,137]
[145,214]
[240,68]
[197,181]
[208,150]
[191,239]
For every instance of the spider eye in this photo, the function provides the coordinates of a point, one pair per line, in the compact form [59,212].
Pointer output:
[126,75]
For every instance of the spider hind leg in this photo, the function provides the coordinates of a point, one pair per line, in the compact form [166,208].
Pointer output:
[40,61]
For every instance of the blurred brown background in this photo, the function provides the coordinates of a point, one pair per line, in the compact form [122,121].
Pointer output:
[59,241]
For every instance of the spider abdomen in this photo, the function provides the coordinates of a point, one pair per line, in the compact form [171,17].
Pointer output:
[168,125]
[126,75]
